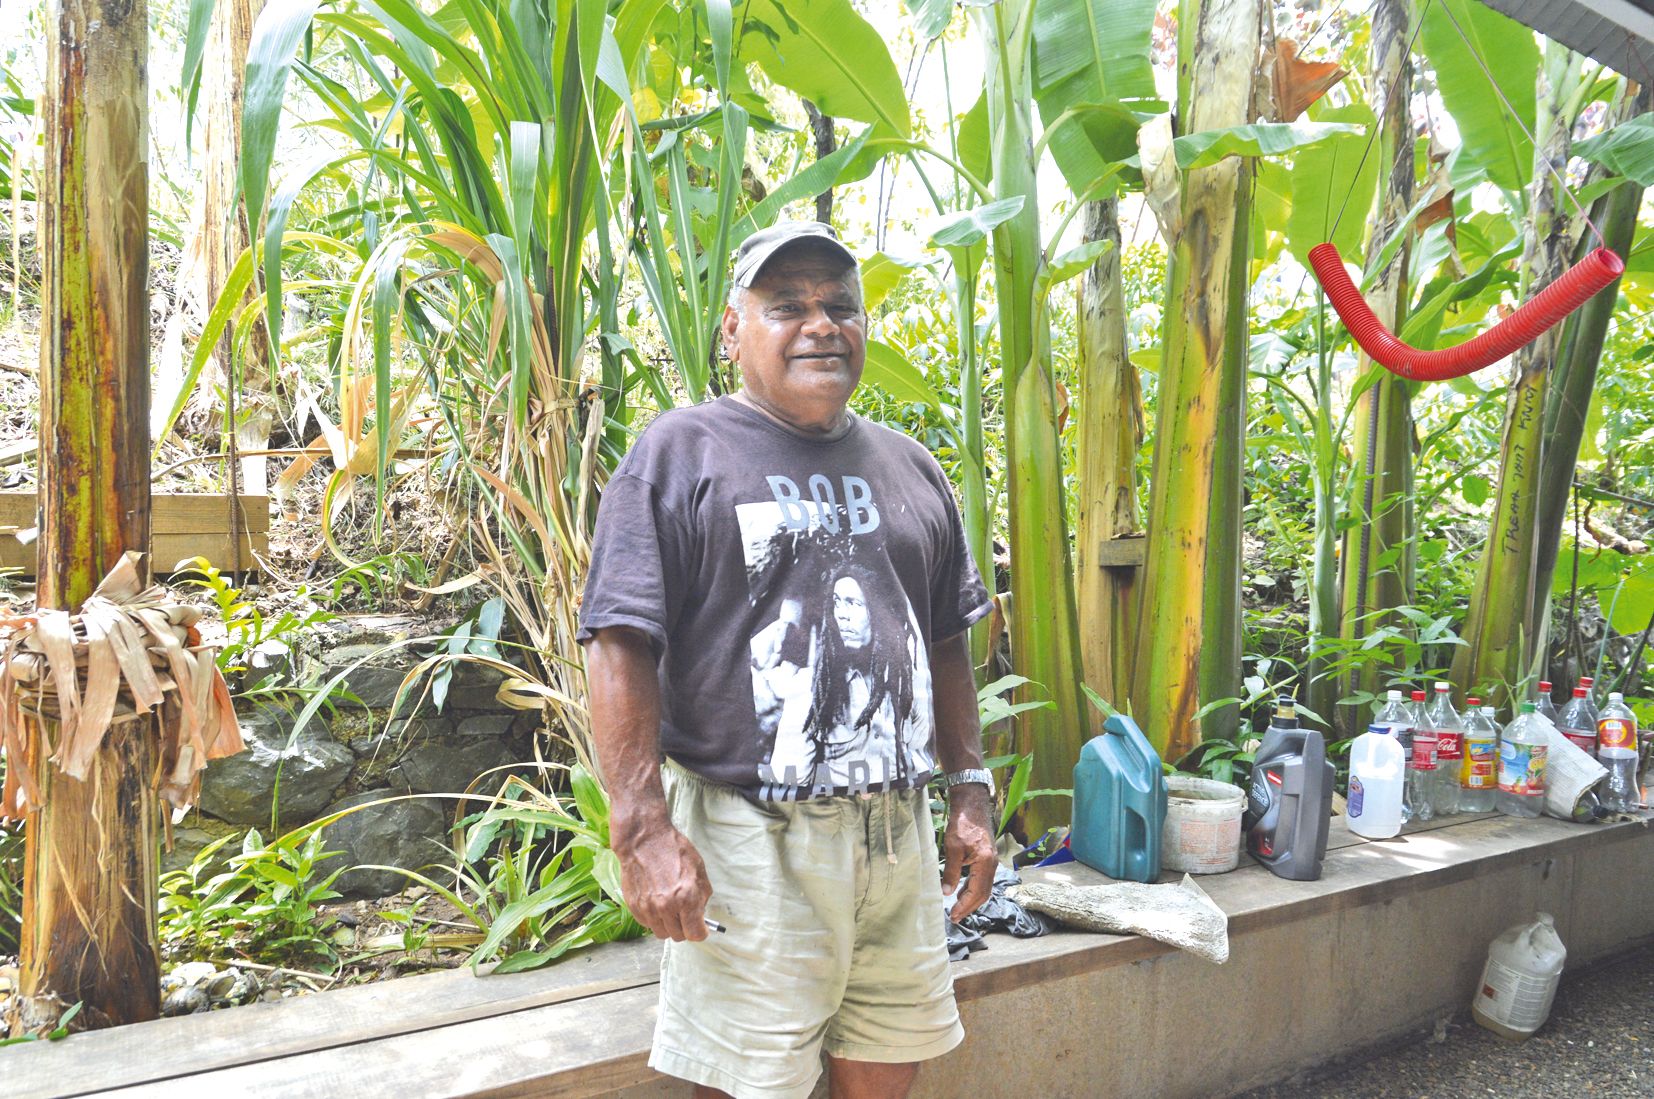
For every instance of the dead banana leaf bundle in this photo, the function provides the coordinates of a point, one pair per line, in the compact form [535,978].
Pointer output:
[128,652]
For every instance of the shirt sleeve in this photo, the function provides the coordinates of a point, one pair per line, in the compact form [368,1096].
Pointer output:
[958,598]
[639,556]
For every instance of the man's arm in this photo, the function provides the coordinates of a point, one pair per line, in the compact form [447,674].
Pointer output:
[969,839]
[661,873]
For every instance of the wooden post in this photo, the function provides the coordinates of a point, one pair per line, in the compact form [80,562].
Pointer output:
[90,876]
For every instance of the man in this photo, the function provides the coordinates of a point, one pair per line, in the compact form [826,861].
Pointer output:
[777,602]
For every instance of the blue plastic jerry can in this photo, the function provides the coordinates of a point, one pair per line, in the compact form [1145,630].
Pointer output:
[1119,803]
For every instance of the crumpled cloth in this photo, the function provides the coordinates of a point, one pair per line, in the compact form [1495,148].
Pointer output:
[1179,914]
[128,652]
[998,913]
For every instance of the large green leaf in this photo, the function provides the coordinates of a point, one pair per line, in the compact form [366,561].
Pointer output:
[276,36]
[1326,188]
[975,147]
[930,17]
[1088,53]
[1197,150]
[881,273]
[889,369]
[1627,149]
[1492,141]
[826,52]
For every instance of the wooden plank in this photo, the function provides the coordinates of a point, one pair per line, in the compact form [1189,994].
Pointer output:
[563,1051]
[16,452]
[198,1044]
[170,513]
[1118,553]
[184,526]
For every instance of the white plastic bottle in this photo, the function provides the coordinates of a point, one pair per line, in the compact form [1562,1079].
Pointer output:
[1479,769]
[1522,758]
[1617,751]
[1378,773]
[1444,721]
[1524,966]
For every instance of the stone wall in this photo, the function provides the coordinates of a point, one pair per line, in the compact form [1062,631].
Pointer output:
[361,753]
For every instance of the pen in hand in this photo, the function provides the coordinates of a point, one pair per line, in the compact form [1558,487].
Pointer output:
[714,925]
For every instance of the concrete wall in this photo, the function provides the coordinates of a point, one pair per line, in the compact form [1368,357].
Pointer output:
[1304,983]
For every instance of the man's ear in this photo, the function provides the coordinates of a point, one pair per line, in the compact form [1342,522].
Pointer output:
[731,323]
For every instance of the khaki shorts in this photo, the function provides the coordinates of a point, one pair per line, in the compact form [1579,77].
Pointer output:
[832,944]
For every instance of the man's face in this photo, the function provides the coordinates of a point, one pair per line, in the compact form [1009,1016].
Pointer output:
[800,336]
[855,628]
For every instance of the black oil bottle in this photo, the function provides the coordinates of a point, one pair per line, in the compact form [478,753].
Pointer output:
[1290,804]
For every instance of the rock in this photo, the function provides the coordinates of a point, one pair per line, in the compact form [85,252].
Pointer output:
[410,833]
[188,842]
[239,788]
[376,687]
[185,1001]
[189,973]
[489,725]
[448,764]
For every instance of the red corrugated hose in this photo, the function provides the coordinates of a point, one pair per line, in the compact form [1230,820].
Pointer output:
[1544,309]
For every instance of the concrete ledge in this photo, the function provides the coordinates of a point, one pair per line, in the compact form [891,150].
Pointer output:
[1392,936]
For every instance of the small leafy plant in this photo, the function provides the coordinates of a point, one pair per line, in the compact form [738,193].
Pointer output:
[537,877]
[264,904]
[248,628]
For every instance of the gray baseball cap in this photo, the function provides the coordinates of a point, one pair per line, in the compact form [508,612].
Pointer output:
[766,244]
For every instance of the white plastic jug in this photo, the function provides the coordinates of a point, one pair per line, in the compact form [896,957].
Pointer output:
[1378,774]
[1519,981]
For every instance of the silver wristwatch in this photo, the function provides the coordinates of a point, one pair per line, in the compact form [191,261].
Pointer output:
[979,775]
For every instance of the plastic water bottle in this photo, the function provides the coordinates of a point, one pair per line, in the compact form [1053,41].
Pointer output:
[1378,770]
[1578,722]
[1617,751]
[1421,766]
[1524,966]
[1522,752]
[1479,769]
[1397,717]
[1545,708]
[1448,727]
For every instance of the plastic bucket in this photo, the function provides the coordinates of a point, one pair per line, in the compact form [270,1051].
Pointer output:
[1203,825]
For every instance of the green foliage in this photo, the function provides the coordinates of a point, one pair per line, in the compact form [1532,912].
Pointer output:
[1460,37]
[11,881]
[246,625]
[262,903]
[58,1032]
[536,876]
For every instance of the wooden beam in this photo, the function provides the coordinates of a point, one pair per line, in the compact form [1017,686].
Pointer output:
[1121,553]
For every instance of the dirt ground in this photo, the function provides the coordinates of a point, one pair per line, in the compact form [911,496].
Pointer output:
[1599,1041]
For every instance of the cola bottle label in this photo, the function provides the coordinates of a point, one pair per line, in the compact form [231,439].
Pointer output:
[1584,741]
[1448,745]
[1424,751]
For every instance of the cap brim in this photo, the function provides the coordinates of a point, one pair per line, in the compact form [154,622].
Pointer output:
[753,262]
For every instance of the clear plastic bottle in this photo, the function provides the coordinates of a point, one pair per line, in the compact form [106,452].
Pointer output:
[1479,769]
[1617,751]
[1421,763]
[1397,716]
[1522,752]
[1578,722]
[1444,721]
[1544,707]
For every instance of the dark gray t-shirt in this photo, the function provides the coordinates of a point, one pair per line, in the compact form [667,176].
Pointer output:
[792,586]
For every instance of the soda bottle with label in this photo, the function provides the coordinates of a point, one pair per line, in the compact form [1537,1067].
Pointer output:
[1421,764]
[1617,751]
[1578,722]
[1478,770]
[1544,707]
[1444,721]
[1397,717]
[1522,752]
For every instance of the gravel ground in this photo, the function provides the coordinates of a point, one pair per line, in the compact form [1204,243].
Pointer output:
[1599,1041]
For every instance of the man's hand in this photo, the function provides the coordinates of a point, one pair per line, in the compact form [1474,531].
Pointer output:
[969,842]
[663,880]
